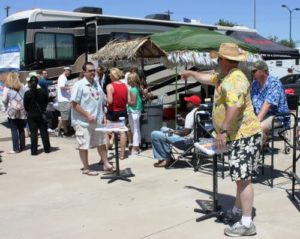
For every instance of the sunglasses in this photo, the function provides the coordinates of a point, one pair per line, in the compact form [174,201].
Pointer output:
[220,59]
[92,70]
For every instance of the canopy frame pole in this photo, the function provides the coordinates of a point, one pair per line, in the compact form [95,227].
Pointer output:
[176,96]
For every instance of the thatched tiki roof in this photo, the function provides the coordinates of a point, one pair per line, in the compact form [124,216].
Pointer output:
[129,50]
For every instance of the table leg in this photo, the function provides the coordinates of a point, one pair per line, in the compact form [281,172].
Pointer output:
[117,174]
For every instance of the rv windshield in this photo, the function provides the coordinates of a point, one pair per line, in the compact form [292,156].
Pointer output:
[13,35]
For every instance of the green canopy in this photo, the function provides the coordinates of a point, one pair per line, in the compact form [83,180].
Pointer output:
[195,39]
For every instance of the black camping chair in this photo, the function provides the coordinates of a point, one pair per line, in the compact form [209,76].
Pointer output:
[280,133]
[185,151]
[203,130]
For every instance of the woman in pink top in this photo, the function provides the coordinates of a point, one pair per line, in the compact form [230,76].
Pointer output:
[117,98]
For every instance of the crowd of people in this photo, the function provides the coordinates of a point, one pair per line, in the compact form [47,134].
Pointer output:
[27,106]
[242,112]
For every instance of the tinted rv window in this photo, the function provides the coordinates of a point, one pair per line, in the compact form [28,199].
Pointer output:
[64,44]
[50,46]
[13,39]
[13,35]
[45,46]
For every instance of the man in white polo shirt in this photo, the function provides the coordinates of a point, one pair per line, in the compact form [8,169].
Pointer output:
[63,100]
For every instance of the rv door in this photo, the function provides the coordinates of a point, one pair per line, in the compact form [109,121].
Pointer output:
[91,37]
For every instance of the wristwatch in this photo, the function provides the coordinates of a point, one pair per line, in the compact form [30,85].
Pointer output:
[223,131]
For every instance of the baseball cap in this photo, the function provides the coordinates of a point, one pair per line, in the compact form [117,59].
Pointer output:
[32,73]
[194,99]
[31,78]
[260,65]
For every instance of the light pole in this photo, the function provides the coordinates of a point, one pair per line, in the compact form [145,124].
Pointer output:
[7,10]
[254,15]
[290,11]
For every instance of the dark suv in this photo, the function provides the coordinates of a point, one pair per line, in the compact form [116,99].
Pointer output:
[291,81]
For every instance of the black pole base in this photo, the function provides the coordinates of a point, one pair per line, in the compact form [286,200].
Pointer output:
[209,214]
[118,176]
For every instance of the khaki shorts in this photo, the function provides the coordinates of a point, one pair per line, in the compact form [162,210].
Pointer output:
[266,124]
[88,138]
[64,109]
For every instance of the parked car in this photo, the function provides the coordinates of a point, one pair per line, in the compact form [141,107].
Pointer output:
[291,81]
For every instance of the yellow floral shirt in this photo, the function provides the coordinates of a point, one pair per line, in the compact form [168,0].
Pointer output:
[234,90]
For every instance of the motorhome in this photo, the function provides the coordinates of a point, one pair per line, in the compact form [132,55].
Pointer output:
[279,68]
[50,39]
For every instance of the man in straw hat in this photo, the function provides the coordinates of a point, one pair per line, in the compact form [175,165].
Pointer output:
[237,127]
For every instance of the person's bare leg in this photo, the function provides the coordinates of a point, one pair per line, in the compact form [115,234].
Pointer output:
[123,140]
[266,128]
[129,135]
[84,158]
[64,126]
[59,125]
[237,203]
[111,138]
[107,138]
[246,196]
[103,155]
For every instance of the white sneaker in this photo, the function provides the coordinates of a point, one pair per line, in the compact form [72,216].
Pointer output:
[50,130]
[238,230]
[12,152]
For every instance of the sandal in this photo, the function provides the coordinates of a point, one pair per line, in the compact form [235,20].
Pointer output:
[108,169]
[160,164]
[120,156]
[135,152]
[89,172]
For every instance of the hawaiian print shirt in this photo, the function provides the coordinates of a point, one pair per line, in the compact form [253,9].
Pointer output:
[273,93]
[233,90]
[90,96]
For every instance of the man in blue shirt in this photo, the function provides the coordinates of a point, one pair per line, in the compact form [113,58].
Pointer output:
[43,80]
[268,97]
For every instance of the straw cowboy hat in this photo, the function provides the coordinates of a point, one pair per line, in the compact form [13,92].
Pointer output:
[229,51]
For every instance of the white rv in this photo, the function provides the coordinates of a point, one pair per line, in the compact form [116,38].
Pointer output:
[279,68]
[50,39]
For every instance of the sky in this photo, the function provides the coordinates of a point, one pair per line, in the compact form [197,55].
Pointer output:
[271,19]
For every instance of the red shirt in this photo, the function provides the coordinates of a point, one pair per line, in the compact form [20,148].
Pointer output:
[120,97]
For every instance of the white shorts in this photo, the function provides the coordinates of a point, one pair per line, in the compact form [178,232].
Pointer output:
[65,110]
[88,138]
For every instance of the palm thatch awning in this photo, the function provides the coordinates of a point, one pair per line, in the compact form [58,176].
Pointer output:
[129,50]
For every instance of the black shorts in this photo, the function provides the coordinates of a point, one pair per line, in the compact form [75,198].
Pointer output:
[243,156]
[114,116]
